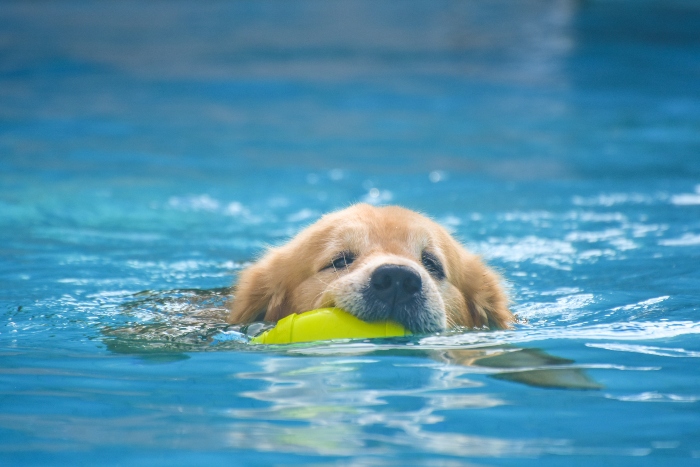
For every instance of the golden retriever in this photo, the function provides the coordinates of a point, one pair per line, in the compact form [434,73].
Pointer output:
[377,263]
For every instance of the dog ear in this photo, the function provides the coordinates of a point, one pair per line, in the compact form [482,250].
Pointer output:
[260,293]
[486,303]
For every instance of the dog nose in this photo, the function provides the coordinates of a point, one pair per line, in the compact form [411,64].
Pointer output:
[392,283]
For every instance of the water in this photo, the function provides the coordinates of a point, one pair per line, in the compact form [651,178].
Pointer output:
[148,152]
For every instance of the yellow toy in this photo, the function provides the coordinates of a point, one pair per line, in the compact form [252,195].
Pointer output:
[325,324]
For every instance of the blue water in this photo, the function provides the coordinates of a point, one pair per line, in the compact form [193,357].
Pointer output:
[150,150]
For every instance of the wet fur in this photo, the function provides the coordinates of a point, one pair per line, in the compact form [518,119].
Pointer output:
[295,277]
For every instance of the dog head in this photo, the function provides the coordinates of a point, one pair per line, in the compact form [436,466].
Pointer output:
[377,263]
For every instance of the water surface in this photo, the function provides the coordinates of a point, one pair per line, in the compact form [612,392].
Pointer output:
[148,152]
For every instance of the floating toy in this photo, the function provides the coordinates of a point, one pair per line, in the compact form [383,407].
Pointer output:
[324,324]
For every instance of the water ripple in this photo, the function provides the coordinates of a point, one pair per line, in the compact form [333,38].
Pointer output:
[648,350]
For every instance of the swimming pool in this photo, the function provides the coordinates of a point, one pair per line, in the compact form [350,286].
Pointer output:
[150,151]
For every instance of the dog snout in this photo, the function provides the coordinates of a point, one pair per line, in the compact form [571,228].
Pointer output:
[394,284]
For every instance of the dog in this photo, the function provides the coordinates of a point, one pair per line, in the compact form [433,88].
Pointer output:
[377,263]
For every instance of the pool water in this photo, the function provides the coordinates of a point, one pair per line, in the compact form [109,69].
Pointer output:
[149,151]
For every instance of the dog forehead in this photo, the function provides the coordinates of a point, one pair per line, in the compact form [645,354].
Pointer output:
[392,230]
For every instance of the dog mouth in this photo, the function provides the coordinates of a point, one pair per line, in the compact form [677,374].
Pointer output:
[414,317]
[395,292]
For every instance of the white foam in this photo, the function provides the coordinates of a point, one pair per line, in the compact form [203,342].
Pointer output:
[626,331]
[686,240]
[557,254]
[653,397]
[643,304]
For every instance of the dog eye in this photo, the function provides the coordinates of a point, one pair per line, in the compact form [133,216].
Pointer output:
[341,261]
[433,265]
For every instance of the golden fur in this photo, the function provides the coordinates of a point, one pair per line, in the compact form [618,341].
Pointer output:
[303,274]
